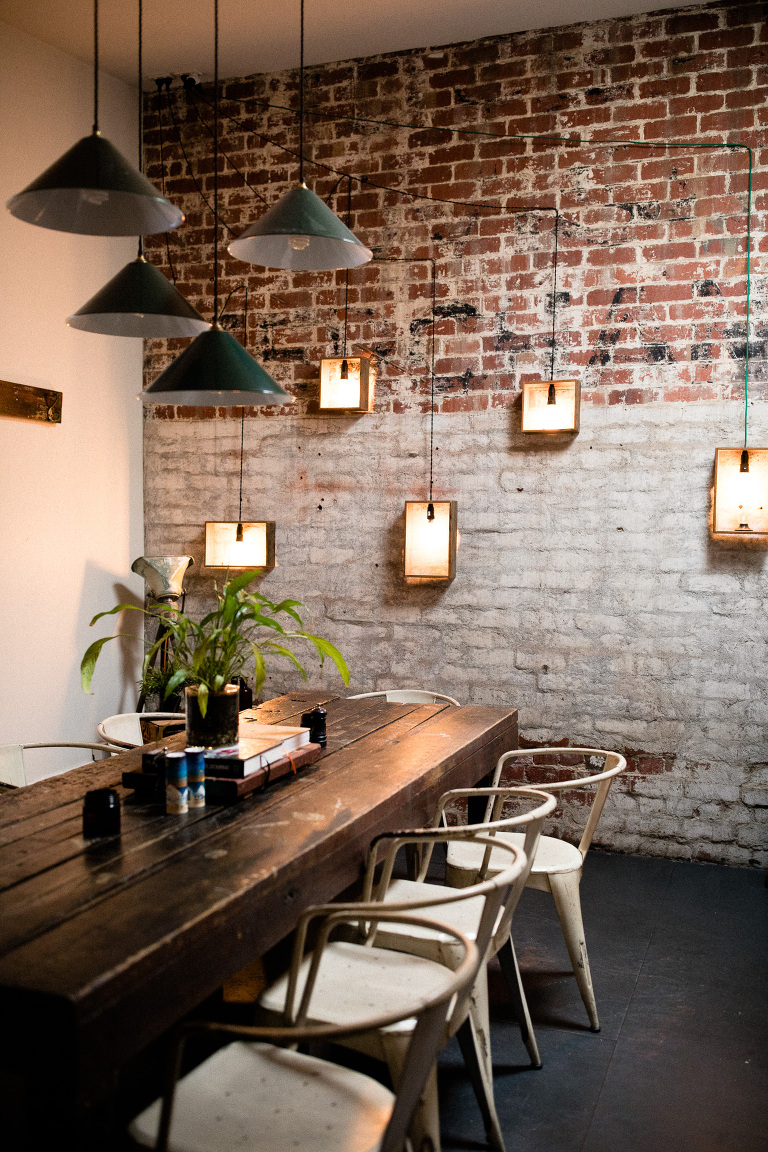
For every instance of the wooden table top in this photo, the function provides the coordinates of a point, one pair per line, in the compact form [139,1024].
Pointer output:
[103,945]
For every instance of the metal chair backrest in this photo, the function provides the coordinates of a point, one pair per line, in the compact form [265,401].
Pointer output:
[13,770]
[125,727]
[501,892]
[614,763]
[431,1015]
[407,696]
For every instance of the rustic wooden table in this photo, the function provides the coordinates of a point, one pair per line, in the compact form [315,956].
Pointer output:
[104,945]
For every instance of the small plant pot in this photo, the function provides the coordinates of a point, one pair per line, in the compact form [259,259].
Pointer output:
[219,727]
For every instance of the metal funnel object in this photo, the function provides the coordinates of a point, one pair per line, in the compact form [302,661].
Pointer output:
[164,575]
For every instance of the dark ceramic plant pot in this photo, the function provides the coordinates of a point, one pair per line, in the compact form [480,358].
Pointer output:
[218,728]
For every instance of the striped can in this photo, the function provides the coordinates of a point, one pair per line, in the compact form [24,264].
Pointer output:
[196,776]
[176,790]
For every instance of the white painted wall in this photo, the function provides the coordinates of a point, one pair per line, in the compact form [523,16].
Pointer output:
[71,504]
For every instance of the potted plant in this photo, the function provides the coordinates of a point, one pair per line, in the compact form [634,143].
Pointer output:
[208,654]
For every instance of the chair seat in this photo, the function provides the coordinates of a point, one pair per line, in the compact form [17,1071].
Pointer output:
[355,981]
[259,1098]
[552,855]
[465,915]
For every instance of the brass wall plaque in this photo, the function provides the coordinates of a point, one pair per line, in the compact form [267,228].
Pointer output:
[19,402]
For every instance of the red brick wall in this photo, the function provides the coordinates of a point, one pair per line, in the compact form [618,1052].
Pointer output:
[651,271]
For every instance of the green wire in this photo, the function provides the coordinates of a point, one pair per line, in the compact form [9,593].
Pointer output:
[566,140]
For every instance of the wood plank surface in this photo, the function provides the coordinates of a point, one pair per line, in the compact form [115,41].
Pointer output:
[105,945]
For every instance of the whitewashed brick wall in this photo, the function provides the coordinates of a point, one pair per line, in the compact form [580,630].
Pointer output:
[588,594]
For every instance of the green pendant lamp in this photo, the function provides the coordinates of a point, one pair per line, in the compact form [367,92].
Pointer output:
[139,301]
[215,371]
[92,189]
[300,232]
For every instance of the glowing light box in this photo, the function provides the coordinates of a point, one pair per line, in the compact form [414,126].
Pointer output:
[551,406]
[430,544]
[256,549]
[347,384]
[740,502]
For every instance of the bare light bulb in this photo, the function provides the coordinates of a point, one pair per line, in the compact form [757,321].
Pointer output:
[344,373]
[299,243]
[551,396]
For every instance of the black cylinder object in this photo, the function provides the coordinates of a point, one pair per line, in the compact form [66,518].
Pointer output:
[101,813]
[315,721]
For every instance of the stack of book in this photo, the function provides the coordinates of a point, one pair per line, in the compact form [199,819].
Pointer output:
[268,752]
[264,753]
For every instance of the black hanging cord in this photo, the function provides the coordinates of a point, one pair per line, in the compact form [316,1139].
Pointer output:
[159,84]
[95,65]
[554,299]
[215,160]
[240,505]
[141,106]
[189,88]
[301,96]
[166,83]
[346,270]
[432,393]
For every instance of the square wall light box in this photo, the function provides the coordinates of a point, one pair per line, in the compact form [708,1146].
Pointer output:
[740,503]
[256,548]
[430,540]
[347,384]
[551,406]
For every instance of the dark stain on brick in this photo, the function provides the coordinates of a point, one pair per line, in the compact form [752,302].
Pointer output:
[658,354]
[511,341]
[705,288]
[562,300]
[466,382]
[606,340]
[456,311]
[642,210]
[295,355]
[701,351]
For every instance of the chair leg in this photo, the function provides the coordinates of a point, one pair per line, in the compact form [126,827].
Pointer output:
[511,972]
[469,1042]
[565,889]
[424,1130]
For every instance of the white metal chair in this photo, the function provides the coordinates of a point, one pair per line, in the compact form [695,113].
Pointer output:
[407,696]
[463,917]
[557,865]
[256,1096]
[13,773]
[382,975]
[125,728]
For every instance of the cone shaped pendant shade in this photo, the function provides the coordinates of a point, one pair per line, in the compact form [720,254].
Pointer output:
[302,233]
[139,301]
[215,371]
[93,190]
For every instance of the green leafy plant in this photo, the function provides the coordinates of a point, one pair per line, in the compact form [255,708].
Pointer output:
[154,681]
[209,654]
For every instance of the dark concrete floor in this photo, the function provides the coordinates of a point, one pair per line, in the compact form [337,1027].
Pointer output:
[679,957]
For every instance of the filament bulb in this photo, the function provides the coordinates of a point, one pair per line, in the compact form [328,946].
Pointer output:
[551,397]
[430,511]
[299,243]
[239,534]
[344,373]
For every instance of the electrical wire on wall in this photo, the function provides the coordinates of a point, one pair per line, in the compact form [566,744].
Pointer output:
[550,139]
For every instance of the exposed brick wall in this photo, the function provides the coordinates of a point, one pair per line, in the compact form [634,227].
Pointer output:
[588,591]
